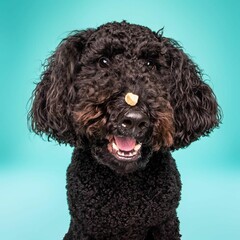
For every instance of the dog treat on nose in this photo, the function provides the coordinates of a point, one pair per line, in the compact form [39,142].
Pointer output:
[131,99]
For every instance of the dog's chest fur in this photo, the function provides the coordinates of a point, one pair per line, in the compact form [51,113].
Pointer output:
[103,202]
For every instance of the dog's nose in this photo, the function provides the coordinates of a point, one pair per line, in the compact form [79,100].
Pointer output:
[133,123]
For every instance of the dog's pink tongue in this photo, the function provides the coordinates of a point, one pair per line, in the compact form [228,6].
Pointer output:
[125,143]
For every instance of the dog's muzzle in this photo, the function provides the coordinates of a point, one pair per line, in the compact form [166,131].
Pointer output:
[132,126]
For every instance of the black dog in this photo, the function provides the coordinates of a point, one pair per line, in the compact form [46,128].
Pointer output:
[124,97]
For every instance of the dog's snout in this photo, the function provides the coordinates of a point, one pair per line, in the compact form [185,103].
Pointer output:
[133,123]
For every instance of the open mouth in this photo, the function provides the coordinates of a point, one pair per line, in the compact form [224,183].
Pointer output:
[124,148]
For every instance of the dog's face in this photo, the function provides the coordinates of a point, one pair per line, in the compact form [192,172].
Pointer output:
[123,92]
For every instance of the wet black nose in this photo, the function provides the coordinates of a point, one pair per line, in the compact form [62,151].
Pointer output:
[133,123]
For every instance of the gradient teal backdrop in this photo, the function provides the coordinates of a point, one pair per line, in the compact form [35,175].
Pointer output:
[32,171]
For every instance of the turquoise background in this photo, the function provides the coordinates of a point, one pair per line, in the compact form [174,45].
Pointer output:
[32,171]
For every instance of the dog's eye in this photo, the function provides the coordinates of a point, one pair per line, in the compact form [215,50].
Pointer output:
[150,64]
[104,62]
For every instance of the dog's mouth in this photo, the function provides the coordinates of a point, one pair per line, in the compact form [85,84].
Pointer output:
[124,148]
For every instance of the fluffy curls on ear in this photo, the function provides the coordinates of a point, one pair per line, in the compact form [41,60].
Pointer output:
[53,95]
[196,112]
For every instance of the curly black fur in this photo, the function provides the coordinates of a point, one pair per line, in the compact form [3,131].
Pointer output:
[80,100]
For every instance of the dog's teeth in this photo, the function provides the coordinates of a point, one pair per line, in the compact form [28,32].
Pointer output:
[137,147]
[115,146]
[120,153]
[126,154]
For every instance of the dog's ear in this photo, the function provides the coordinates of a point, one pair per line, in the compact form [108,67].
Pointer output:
[51,100]
[196,111]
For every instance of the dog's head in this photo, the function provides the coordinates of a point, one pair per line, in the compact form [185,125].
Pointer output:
[123,92]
